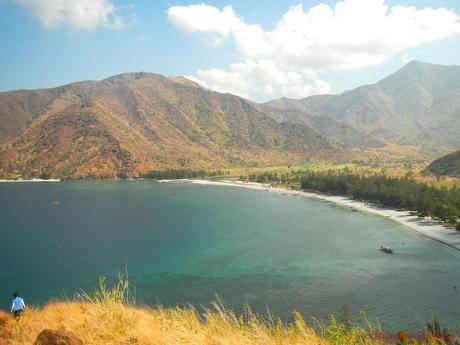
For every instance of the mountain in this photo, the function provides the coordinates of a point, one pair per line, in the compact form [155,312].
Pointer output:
[448,165]
[417,105]
[336,131]
[132,123]
[129,124]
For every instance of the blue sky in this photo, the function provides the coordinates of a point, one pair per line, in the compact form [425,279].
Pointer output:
[236,49]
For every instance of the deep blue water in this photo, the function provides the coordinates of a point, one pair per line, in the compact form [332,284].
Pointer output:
[186,243]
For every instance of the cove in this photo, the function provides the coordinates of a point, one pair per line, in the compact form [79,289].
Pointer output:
[186,243]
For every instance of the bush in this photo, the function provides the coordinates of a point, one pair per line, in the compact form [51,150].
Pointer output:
[118,294]
[45,176]
[457,227]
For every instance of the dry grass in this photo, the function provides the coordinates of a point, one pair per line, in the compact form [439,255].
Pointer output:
[115,323]
[109,317]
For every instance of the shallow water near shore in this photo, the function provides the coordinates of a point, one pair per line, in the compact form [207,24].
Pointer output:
[184,242]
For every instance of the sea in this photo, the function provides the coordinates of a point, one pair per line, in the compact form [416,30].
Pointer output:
[186,244]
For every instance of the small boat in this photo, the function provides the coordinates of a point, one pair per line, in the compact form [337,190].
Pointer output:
[387,250]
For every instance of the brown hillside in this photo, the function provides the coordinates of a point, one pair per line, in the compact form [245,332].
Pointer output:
[129,124]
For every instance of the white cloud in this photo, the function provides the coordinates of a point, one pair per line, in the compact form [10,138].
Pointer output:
[79,14]
[262,78]
[353,34]
[207,19]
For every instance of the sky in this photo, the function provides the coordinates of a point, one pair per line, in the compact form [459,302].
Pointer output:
[254,49]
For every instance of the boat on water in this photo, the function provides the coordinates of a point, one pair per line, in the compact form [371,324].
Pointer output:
[387,250]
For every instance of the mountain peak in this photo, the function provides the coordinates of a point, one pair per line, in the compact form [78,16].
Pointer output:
[418,74]
[416,66]
[415,62]
[129,76]
[417,104]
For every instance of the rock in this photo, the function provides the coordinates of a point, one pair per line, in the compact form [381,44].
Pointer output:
[49,337]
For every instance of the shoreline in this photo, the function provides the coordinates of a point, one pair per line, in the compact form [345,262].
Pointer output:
[423,226]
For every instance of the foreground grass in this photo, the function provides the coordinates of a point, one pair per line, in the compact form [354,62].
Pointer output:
[115,323]
[108,316]
[100,323]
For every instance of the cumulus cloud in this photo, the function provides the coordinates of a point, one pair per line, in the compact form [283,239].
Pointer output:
[79,14]
[206,19]
[262,77]
[352,34]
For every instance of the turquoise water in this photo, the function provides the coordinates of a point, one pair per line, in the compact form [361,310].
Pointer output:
[188,243]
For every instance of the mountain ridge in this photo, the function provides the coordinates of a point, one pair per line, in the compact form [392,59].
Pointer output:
[128,124]
[131,123]
[418,104]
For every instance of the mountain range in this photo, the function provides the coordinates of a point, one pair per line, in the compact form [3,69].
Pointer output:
[129,124]
[417,105]
[132,123]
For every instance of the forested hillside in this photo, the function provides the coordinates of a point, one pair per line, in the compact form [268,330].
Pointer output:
[448,165]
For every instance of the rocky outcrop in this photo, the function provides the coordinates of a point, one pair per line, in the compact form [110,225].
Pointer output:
[50,337]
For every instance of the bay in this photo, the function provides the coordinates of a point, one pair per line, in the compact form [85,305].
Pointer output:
[185,243]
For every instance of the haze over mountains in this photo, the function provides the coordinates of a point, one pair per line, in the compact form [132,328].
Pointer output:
[417,105]
[129,124]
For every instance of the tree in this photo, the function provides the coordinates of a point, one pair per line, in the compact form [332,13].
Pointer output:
[405,193]
[45,175]
[440,212]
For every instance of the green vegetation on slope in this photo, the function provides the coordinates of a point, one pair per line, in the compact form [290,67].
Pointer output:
[448,165]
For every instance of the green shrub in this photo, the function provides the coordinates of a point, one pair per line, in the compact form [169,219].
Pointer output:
[119,293]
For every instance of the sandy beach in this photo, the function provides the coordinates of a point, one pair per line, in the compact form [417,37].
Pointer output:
[424,226]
